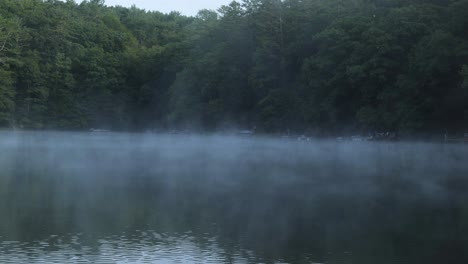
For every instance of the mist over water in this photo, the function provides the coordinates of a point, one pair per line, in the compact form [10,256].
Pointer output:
[144,198]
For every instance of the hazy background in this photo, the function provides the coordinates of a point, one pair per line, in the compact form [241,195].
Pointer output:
[186,7]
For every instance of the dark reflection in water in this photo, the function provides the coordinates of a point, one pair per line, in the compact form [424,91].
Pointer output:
[129,198]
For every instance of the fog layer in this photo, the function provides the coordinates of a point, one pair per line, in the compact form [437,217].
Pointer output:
[230,199]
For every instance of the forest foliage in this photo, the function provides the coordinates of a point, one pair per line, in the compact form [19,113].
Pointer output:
[316,66]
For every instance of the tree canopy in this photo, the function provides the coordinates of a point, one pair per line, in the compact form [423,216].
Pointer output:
[323,67]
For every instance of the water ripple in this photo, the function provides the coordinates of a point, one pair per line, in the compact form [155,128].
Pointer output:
[148,247]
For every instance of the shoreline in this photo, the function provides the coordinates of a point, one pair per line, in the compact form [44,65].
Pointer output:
[433,138]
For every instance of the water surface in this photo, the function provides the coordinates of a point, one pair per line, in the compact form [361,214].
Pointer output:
[133,198]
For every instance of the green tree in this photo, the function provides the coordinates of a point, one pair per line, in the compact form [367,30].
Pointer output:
[10,37]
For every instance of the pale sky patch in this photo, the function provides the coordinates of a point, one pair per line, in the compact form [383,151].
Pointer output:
[186,7]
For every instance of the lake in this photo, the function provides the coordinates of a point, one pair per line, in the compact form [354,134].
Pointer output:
[147,198]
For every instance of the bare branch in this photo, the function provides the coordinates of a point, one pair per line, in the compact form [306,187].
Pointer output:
[3,45]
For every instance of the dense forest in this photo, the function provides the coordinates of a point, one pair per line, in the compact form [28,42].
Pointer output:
[323,67]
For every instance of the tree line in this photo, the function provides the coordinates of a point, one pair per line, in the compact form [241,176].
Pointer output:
[315,66]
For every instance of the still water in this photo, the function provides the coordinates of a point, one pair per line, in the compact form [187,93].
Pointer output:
[133,198]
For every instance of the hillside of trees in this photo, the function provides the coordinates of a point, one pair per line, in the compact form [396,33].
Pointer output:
[315,66]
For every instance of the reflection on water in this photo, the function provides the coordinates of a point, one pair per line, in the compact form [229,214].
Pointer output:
[136,247]
[129,198]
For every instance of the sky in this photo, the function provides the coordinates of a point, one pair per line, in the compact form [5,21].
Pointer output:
[186,7]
